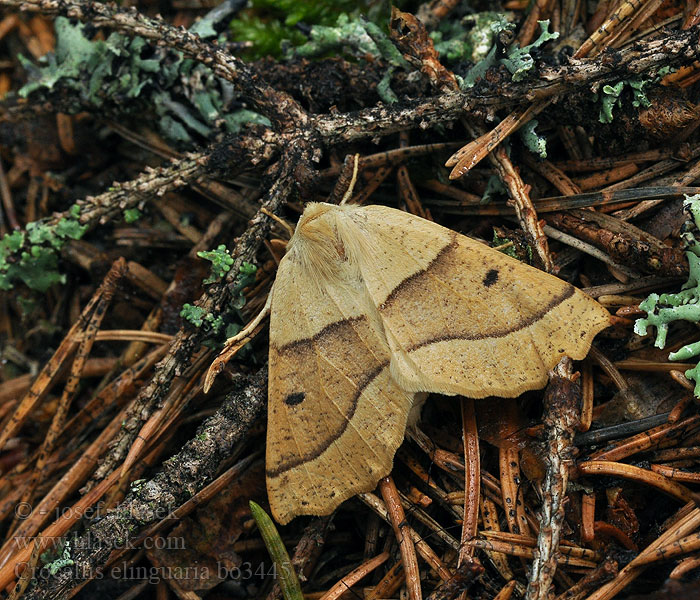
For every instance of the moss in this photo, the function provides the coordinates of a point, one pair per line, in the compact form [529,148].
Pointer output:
[197,316]
[131,215]
[499,241]
[193,314]
[272,24]
[246,276]
[221,262]
[32,257]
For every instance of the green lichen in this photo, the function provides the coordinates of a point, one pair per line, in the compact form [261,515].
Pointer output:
[494,189]
[63,559]
[608,99]
[221,262]
[356,38]
[74,211]
[664,309]
[471,38]
[27,305]
[193,314]
[246,277]
[199,317]
[11,242]
[518,61]
[483,32]
[351,37]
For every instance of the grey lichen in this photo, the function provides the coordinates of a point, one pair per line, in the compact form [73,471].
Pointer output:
[518,61]
[357,38]
[123,75]
[535,143]
[664,309]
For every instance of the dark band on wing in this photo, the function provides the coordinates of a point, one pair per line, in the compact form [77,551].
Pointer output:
[286,465]
[331,330]
[411,280]
[503,331]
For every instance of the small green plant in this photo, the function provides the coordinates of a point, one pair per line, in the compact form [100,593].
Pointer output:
[32,256]
[664,309]
[221,262]
[197,316]
[287,577]
[131,215]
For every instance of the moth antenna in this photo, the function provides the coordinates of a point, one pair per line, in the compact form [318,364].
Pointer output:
[356,167]
[235,343]
[286,226]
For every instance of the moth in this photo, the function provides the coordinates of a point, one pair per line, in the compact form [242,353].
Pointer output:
[371,307]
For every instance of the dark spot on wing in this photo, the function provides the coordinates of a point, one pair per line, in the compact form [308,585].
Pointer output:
[294,399]
[490,278]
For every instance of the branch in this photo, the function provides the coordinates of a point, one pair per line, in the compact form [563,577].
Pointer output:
[281,108]
[170,488]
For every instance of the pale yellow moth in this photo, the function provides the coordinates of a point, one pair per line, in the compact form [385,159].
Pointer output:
[372,306]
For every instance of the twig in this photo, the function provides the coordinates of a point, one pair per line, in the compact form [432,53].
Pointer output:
[460,582]
[561,419]
[601,574]
[214,301]
[277,105]
[616,469]
[426,552]
[352,578]
[472,479]
[307,552]
[408,551]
